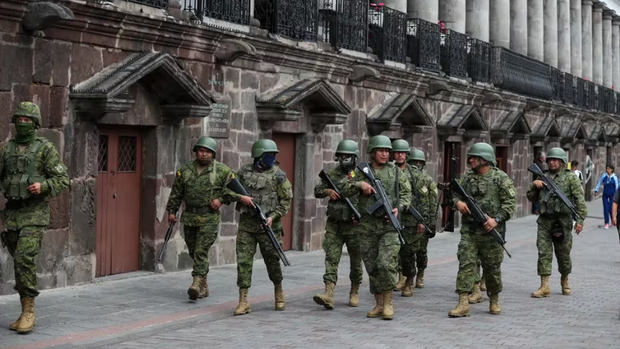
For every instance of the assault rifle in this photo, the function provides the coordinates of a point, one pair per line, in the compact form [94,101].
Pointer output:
[166,239]
[418,217]
[553,188]
[477,214]
[238,188]
[327,179]
[383,201]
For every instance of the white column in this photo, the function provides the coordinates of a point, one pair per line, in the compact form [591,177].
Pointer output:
[551,32]
[399,5]
[500,22]
[608,69]
[535,30]
[575,33]
[427,10]
[477,23]
[518,26]
[564,32]
[597,43]
[586,39]
[615,43]
[453,13]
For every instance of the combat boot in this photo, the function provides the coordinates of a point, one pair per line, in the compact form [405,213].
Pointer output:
[204,288]
[483,285]
[476,296]
[354,296]
[419,279]
[565,285]
[408,289]
[279,297]
[378,309]
[388,307]
[243,307]
[494,307]
[326,299]
[13,325]
[401,282]
[27,320]
[461,309]
[194,290]
[544,290]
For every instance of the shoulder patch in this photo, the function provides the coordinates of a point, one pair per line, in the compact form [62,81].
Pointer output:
[424,189]
[351,174]
[280,177]
[179,173]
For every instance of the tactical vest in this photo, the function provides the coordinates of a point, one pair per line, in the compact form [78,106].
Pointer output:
[201,189]
[262,187]
[549,203]
[485,190]
[338,209]
[20,170]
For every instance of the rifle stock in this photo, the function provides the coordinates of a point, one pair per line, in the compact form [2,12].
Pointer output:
[553,187]
[162,250]
[330,183]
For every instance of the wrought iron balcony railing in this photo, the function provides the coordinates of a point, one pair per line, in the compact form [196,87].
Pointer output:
[296,19]
[521,74]
[557,83]
[235,11]
[479,60]
[580,96]
[590,95]
[606,100]
[568,88]
[344,24]
[423,44]
[152,3]
[454,54]
[387,32]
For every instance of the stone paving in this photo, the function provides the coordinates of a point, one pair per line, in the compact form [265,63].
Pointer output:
[146,310]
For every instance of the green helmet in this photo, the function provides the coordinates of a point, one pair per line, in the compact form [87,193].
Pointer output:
[379,142]
[262,146]
[557,153]
[348,146]
[400,145]
[483,150]
[30,110]
[206,142]
[417,155]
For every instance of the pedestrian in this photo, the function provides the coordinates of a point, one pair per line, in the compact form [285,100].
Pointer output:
[269,188]
[495,193]
[379,242]
[413,230]
[201,185]
[31,171]
[430,196]
[615,208]
[574,166]
[609,180]
[340,228]
[555,222]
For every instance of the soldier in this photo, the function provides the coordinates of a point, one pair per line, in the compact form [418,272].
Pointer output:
[413,231]
[379,243]
[556,222]
[339,229]
[268,187]
[201,184]
[495,193]
[30,172]
[428,195]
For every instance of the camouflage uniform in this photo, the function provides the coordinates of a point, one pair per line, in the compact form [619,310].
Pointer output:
[273,192]
[197,189]
[379,243]
[555,217]
[495,194]
[428,197]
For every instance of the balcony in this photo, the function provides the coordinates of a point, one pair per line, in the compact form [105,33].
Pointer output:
[295,19]
[423,44]
[479,60]
[344,24]
[454,54]
[387,33]
[152,3]
[234,11]
[521,74]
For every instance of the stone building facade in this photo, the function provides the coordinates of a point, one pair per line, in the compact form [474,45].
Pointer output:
[126,88]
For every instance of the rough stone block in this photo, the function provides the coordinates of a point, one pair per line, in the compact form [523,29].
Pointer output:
[6,101]
[15,66]
[184,261]
[249,80]
[52,250]
[268,81]
[42,61]
[228,229]
[90,62]
[83,213]
[61,63]
[231,78]
[227,251]
[232,159]
[40,94]
[60,211]
[59,106]
[250,122]
[79,268]
[56,137]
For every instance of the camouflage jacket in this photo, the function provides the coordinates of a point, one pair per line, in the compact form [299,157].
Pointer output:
[550,205]
[424,196]
[197,190]
[269,189]
[338,210]
[50,172]
[495,194]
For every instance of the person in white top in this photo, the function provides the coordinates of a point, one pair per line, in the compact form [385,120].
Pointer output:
[574,165]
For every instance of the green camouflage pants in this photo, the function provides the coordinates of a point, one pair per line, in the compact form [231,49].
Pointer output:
[546,247]
[380,254]
[483,247]
[246,248]
[410,252]
[24,246]
[336,235]
[421,257]
[199,240]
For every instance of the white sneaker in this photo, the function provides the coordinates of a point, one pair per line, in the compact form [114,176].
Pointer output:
[606,226]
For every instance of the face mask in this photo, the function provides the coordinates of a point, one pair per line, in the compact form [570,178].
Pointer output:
[25,132]
[204,162]
[346,163]
[266,161]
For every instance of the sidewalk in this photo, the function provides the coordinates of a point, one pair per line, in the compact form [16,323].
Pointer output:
[147,310]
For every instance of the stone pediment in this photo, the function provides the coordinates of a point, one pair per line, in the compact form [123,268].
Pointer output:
[547,128]
[597,134]
[612,132]
[571,128]
[179,94]
[463,119]
[322,102]
[402,111]
[513,124]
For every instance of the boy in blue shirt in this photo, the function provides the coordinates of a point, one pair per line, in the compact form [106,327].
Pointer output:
[609,180]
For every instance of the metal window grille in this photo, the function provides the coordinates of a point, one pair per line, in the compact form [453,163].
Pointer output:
[345,24]
[479,60]
[423,44]
[127,153]
[152,3]
[296,19]
[387,30]
[454,54]
[236,11]
[103,154]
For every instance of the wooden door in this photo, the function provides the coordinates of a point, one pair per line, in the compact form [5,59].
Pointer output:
[501,156]
[118,201]
[286,159]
